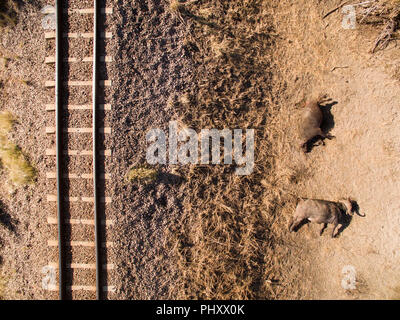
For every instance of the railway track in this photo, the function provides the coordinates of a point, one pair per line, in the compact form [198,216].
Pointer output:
[79,248]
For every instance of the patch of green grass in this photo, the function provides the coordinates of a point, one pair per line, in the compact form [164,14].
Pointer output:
[20,170]
[6,122]
[4,62]
[175,5]
[142,174]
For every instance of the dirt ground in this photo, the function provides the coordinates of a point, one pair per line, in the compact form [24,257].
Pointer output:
[151,70]
[23,237]
[230,240]
[24,230]
[362,162]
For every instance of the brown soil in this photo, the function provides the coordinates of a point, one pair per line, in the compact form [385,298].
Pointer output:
[151,68]
[23,250]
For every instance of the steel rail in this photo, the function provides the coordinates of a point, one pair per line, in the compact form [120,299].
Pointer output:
[59,148]
[97,226]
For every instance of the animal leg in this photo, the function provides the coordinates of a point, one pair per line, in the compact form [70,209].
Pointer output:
[304,147]
[329,136]
[321,133]
[290,225]
[335,229]
[294,224]
[325,135]
[324,225]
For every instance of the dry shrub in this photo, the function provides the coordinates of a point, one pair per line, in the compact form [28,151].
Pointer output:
[377,11]
[19,169]
[381,12]
[231,242]
[8,13]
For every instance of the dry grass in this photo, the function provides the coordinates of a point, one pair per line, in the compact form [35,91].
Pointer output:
[142,174]
[19,169]
[231,242]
